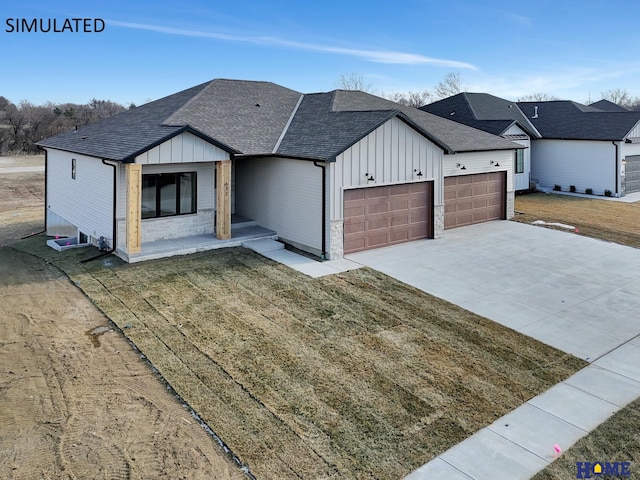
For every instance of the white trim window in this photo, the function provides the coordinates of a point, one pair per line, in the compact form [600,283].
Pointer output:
[518,161]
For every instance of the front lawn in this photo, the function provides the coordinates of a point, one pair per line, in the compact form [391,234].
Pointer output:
[353,375]
[605,219]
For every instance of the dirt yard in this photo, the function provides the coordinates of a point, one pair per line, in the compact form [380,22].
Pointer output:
[21,197]
[605,219]
[75,405]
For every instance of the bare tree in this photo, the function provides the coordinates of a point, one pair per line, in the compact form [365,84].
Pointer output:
[450,85]
[22,125]
[621,97]
[354,81]
[538,97]
[412,98]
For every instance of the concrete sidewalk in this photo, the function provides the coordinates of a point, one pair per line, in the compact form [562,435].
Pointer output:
[313,268]
[577,294]
[521,443]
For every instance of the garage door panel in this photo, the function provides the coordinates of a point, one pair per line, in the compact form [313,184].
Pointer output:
[632,174]
[392,214]
[474,198]
[399,205]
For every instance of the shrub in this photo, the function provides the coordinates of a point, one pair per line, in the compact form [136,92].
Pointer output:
[607,193]
[557,187]
[589,191]
[572,188]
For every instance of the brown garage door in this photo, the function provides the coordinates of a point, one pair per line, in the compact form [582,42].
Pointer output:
[470,199]
[379,216]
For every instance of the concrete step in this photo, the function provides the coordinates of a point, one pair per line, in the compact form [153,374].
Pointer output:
[263,245]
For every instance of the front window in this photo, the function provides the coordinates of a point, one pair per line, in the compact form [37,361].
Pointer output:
[518,161]
[168,194]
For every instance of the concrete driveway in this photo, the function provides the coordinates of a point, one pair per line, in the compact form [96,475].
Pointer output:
[575,293]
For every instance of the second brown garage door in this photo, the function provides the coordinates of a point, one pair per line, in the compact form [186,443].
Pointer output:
[470,199]
[380,216]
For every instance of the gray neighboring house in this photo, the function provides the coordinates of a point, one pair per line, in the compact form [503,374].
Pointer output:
[329,173]
[585,146]
[497,116]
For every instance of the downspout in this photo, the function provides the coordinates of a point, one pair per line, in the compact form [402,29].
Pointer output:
[323,166]
[617,176]
[114,231]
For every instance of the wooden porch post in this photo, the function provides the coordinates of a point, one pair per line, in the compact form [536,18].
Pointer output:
[223,200]
[134,207]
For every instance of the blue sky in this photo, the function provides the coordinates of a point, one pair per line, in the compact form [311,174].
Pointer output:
[150,49]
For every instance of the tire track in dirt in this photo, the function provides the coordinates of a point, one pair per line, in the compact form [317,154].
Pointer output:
[72,410]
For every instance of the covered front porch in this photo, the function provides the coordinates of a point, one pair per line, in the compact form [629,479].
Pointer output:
[242,230]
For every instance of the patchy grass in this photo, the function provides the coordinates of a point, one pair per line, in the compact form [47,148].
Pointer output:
[354,375]
[605,219]
[615,440]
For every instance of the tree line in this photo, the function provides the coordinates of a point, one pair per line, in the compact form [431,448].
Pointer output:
[452,84]
[24,124]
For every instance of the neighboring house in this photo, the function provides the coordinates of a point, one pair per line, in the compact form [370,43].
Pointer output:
[585,147]
[330,173]
[497,116]
[607,106]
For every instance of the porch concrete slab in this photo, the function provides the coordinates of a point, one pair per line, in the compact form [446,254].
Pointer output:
[575,406]
[263,245]
[624,360]
[489,456]
[536,431]
[437,468]
[605,384]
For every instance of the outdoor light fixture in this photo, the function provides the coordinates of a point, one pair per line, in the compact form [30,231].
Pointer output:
[369,177]
[460,166]
[497,164]
[418,174]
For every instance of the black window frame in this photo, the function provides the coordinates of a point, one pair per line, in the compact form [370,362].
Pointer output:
[518,160]
[194,194]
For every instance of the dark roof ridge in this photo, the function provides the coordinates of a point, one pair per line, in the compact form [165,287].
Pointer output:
[471,109]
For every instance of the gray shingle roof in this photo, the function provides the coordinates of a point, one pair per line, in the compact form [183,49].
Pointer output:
[457,137]
[607,106]
[568,120]
[250,118]
[318,132]
[483,111]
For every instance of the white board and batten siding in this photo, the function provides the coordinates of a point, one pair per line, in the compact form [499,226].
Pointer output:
[393,153]
[582,163]
[480,162]
[521,181]
[86,202]
[183,148]
[284,195]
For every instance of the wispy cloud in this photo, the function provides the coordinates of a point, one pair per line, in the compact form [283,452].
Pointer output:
[378,56]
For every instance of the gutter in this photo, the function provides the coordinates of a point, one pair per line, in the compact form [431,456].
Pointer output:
[323,166]
[114,224]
